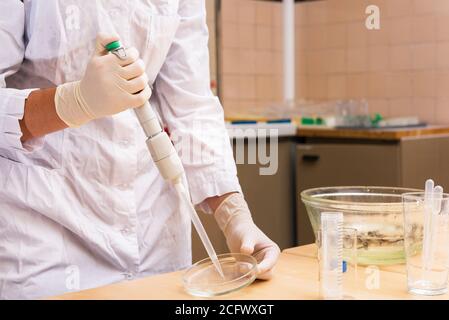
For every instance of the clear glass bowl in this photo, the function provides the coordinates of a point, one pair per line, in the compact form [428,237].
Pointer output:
[203,280]
[376,214]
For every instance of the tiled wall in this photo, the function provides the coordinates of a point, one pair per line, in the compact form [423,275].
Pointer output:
[402,69]
[251,54]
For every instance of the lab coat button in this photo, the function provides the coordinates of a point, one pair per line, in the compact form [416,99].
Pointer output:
[125,143]
[128,276]
[124,186]
[126,231]
[114,12]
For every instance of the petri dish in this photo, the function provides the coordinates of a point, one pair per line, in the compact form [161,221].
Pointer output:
[203,280]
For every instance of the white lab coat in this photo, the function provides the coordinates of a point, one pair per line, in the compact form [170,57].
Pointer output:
[86,207]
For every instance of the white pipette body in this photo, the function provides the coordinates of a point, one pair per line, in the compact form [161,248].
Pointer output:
[169,164]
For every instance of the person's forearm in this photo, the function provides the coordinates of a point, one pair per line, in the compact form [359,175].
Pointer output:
[214,202]
[40,117]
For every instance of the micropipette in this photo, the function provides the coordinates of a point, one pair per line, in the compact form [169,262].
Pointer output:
[166,159]
[331,255]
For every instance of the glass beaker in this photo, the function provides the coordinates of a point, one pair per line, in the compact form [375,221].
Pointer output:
[427,273]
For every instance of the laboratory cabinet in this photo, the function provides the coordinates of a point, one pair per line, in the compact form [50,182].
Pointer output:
[406,162]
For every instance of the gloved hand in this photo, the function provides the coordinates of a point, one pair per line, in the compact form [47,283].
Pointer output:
[109,86]
[243,236]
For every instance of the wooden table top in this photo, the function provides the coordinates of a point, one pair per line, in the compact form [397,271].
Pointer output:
[372,134]
[296,278]
[311,251]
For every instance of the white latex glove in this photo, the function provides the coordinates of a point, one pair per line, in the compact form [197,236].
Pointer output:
[243,236]
[109,86]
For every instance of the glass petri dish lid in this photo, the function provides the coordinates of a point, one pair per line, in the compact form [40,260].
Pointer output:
[203,280]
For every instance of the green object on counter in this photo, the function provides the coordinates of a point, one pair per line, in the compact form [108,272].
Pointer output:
[307,121]
[376,119]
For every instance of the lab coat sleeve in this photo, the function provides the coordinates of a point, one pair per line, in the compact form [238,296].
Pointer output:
[12,101]
[193,115]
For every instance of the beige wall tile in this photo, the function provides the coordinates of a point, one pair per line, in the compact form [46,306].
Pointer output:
[301,63]
[317,12]
[424,7]
[278,89]
[442,111]
[278,40]
[357,34]
[301,17]
[357,60]
[423,28]
[401,57]
[424,108]
[381,106]
[399,85]
[381,36]
[264,88]
[378,58]
[400,30]
[277,15]
[337,10]
[355,9]
[317,87]
[264,37]
[229,11]
[301,86]
[230,61]
[301,39]
[278,63]
[230,35]
[264,15]
[442,84]
[424,84]
[423,56]
[400,107]
[316,62]
[357,86]
[246,36]
[336,60]
[442,53]
[442,27]
[377,85]
[264,62]
[315,37]
[399,8]
[231,87]
[247,61]
[246,12]
[247,87]
[336,87]
[442,6]
[337,35]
